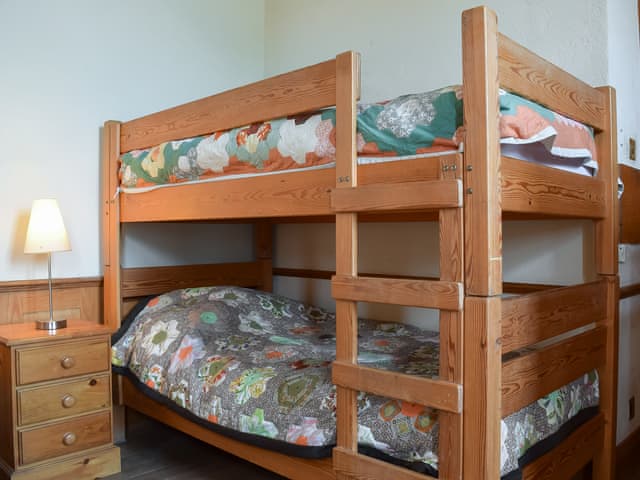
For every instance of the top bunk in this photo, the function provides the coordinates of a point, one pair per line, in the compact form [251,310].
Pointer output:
[440,179]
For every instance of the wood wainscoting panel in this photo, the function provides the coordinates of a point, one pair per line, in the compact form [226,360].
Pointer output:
[28,300]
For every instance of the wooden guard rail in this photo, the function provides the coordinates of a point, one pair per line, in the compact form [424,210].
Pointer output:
[437,394]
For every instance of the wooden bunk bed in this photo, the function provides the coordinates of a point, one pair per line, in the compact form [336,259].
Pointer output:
[469,194]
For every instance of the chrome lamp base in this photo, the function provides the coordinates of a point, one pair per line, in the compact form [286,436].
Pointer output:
[50,324]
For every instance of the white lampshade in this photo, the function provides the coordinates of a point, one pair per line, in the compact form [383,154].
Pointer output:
[46,232]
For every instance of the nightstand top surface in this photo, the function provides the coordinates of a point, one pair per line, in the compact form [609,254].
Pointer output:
[19,333]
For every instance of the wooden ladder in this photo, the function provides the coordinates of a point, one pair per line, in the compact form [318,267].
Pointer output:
[348,288]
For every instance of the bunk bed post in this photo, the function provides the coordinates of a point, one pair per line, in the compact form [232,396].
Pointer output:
[112,298]
[482,246]
[111,223]
[263,238]
[451,221]
[347,93]
[607,265]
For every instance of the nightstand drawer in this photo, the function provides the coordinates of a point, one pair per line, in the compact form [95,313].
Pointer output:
[65,437]
[63,399]
[62,360]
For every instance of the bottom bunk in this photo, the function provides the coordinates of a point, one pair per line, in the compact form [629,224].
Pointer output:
[263,362]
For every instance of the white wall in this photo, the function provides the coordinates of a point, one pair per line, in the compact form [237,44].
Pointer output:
[67,66]
[624,71]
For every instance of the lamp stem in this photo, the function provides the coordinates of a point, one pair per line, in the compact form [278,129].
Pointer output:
[50,289]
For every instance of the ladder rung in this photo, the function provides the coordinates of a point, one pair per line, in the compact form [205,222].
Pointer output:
[437,394]
[398,196]
[412,293]
[353,465]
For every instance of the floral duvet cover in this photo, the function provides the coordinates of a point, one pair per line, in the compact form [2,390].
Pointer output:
[409,125]
[260,364]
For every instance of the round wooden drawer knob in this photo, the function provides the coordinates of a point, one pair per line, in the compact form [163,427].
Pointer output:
[68,401]
[68,362]
[69,438]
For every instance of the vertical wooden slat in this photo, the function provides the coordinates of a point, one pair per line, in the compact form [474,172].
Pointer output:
[451,338]
[263,237]
[347,84]
[482,381]
[111,223]
[607,230]
[604,461]
[483,243]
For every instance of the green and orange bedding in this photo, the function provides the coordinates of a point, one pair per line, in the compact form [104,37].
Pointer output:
[257,367]
[408,126]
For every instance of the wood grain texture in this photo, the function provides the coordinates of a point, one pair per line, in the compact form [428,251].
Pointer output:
[482,177]
[531,188]
[482,381]
[354,466]
[72,298]
[47,402]
[629,211]
[46,442]
[95,463]
[7,407]
[138,282]
[286,195]
[303,90]
[263,244]
[533,375]
[451,221]
[629,291]
[111,223]
[346,176]
[48,362]
[290,467]
[25,333]
[532,318]
[397,291]
[409,195]
[438,394]
[604,462]
[525,73]
[570,456]
[608,229]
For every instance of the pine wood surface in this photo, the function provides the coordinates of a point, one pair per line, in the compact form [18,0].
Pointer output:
[438,394]
[529,319]
[608,228]
[63,399]
[418,195]
[531,188]
[359,467]
[22,333]
[629,211]
[418,293]
[531,76]
[302,90]
[346,177]
[533,375]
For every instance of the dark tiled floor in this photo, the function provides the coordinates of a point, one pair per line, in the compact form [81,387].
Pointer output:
[156,452]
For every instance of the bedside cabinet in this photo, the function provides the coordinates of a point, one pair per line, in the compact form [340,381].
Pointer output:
[55,403]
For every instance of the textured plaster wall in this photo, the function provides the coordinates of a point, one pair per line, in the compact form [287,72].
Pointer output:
[67,66]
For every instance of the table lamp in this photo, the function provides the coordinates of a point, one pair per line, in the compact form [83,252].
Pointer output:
[46,234]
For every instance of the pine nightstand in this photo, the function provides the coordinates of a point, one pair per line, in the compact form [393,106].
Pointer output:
[55,403]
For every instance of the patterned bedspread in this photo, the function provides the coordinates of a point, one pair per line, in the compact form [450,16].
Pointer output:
[259,363]
[410,125]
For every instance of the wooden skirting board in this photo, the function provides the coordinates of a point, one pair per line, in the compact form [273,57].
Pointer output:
[28,300]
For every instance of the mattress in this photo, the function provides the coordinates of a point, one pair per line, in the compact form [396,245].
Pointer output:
[257,367]
[404,128]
